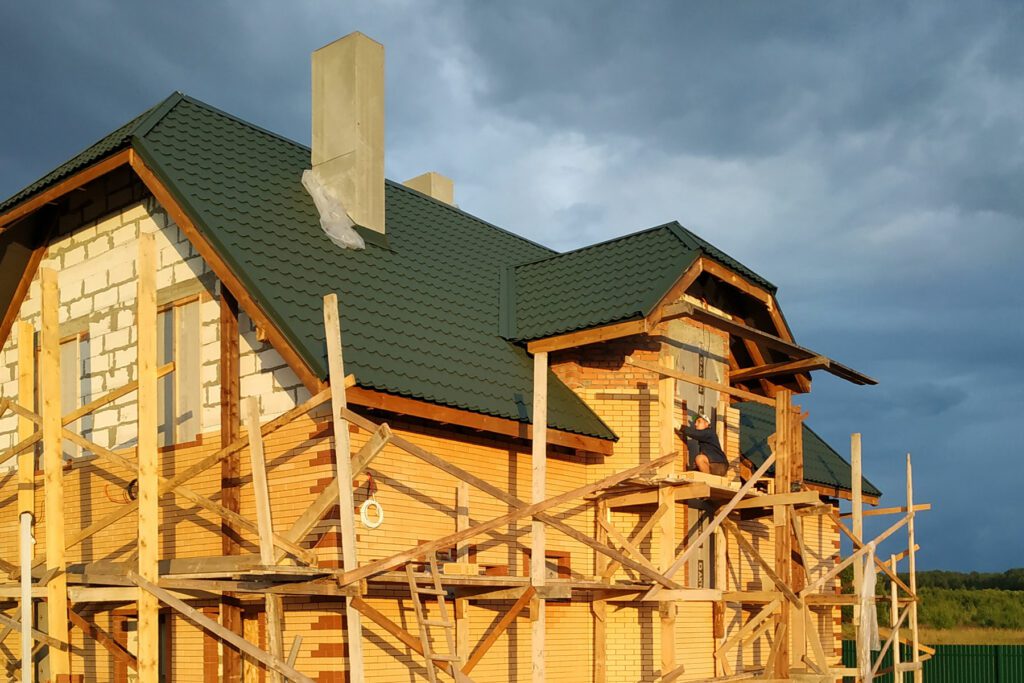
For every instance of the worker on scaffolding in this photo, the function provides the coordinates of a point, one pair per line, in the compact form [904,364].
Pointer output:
[706,454]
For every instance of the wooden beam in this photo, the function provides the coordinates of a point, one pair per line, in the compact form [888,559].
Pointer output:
[107,641]
[199,619]
[28,442]
[667,545]
[666,410]
[230,472]
[328,498]
[626,544]
[55,644]
[591,336]
[901,510]
[912,559]
[26,428]
[773,369]
[411,407]
[201,466]
[677,290]
[766,339]
[858,544]
[741,283]
[604,569]
[149,473]
[765,567]
[748,628]
[521,510]
[86,175]
[53,468]
[779,659]
[407,639]
[506,620]
[772,499]
[641,534]
[26,488]
[511,500]
[225,274]
[682,490]
[700,381]
[723,512]
[343,466]
[13,306]
[816,585]
[274,609]
[286,546]
[538,556]
[264,516]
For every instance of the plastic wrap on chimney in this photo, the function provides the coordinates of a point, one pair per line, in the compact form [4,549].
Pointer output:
[333,218]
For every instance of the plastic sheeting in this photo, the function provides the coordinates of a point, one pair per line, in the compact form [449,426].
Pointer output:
[334,220]
[868,639]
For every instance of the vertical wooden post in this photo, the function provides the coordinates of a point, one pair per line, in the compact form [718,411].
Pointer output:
[798,576]
[538,558]
[53,468]
[599,608]
[666,404]
[230,471]
[857,509]
[722,584]
[912,558]
[274,605]
[667,608]
[343,465]
[781,514]
[26,488]
[264,517]
[26,398]
[894,615]
[149,474]
[462,555]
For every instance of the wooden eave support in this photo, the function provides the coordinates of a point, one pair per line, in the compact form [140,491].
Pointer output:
[773,369]
[86,175]
[771,341]
[700,381]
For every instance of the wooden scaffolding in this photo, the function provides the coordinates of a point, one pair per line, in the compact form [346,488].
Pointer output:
[286,567]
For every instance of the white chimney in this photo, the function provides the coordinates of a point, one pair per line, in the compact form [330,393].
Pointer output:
[434,185]
[348,125]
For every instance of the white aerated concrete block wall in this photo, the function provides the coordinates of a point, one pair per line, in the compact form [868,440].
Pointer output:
[97,276]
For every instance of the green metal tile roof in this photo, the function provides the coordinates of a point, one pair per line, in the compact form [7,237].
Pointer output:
[822,464]
[419,316]
[427,313]
[621,279]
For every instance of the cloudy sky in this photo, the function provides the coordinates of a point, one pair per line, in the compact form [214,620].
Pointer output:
[868,158]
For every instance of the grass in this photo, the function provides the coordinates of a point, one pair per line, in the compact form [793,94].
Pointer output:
[964,635]
[971,636]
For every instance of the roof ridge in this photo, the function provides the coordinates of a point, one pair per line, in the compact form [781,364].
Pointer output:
[155,114]
[463,212]
[595,245]
[395,183]
[237,119]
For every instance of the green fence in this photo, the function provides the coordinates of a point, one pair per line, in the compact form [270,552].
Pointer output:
[957,663]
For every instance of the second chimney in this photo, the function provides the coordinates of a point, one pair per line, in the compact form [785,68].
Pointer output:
[348,125]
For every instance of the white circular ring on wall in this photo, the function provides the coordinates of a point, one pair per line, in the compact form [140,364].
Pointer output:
[364,513]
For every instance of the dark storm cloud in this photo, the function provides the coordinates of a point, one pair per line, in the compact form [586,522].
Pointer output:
[867,158]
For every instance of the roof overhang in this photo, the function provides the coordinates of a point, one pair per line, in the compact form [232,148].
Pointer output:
[800,360]
[357,396]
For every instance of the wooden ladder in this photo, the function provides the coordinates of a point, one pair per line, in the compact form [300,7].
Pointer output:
[434,589]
